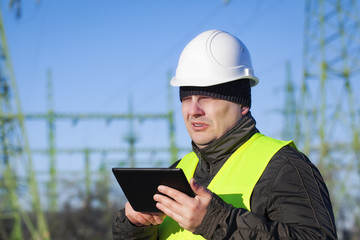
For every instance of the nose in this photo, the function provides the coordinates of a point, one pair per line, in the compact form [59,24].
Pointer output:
[195,108]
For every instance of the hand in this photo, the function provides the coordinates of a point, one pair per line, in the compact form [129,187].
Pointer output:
[187,211]
[141,218]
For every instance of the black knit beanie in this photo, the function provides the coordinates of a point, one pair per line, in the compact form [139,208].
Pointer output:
[238,91]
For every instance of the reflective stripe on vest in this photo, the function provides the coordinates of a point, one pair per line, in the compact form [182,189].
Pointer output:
[235,180]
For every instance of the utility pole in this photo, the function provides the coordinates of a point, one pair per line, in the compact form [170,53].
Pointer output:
[130,136]
[290,126]
[52,188]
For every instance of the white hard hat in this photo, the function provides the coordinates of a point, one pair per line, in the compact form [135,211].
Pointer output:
[213,57]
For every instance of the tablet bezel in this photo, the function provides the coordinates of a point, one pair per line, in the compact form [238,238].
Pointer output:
[140,184]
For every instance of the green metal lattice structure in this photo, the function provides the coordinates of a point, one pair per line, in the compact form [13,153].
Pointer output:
[18,187]
[326,124]
[325,121]
[52,116]
[21,204]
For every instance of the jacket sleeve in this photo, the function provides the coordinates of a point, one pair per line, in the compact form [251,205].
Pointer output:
[124,230]
[290,201]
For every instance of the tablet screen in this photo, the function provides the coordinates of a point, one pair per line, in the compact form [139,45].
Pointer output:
[140,184]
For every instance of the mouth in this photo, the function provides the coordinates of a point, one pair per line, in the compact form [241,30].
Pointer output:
[198,126]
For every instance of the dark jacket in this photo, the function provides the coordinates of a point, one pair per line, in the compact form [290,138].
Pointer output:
[290,200]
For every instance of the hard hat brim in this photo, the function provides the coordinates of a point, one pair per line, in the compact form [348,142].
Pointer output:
[176,82]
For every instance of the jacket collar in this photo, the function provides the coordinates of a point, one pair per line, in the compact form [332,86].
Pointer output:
[222,148]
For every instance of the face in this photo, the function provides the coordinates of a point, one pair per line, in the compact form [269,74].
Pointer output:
[207,119]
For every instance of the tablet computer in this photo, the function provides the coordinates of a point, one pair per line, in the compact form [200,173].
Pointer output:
[140,185]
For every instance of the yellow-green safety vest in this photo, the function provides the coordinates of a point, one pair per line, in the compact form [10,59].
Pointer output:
[235,180]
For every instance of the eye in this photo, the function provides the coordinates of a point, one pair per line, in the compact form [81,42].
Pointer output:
[205,98]
[185,99]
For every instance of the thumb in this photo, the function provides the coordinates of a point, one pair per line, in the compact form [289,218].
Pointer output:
[198,189]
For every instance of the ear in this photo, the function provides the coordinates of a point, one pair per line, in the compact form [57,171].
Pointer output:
[244,110]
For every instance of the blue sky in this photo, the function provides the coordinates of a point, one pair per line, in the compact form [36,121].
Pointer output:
[103,53]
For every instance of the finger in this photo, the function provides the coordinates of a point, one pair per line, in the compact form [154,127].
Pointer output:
[169,206]
[141,219]
[133,216]
[138,220]
[171,212]
[168,202]
[183,215]
[151,218]
[159,217]
[176,195]
[198,189]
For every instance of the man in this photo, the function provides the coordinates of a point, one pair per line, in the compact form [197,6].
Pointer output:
[247,185]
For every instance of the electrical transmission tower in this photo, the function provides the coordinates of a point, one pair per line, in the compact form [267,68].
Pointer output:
[328,111]
[18,187]
[51,117]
